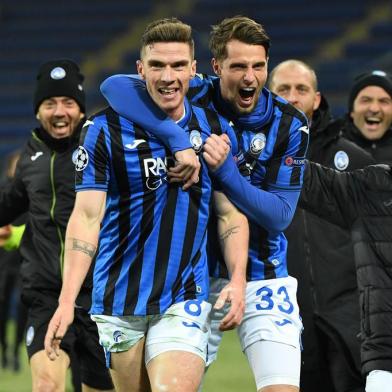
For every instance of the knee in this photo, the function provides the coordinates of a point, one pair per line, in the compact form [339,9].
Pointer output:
[46,383]
[378,381]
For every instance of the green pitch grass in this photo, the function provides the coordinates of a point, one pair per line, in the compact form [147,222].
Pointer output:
[230,373]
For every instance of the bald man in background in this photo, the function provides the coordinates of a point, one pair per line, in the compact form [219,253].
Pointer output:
[320,253]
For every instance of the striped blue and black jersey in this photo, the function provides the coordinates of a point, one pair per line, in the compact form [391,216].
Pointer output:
[270,151]
[272,143]
[152,242]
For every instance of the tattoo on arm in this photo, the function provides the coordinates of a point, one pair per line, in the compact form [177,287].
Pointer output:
[232,230]
[83,246]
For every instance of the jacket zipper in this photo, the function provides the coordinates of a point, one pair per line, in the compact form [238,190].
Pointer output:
[52,159]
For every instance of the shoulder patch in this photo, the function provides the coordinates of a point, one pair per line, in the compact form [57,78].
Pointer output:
[80,158]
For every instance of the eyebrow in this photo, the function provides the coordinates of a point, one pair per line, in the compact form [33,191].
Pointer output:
[242,64]
[157,63]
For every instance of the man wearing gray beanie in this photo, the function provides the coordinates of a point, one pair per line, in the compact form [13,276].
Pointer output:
[369,118]
[43,187]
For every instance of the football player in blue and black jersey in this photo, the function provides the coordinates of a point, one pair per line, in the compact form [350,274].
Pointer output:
[264,180]
[151,281]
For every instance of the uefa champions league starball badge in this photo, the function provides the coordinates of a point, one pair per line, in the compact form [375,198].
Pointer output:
[80,158]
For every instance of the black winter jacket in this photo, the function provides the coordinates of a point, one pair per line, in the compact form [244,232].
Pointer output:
[320,252]
[362,202]
[43,186]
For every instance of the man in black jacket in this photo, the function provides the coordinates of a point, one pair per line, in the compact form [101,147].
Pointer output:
[43,186]
[369,120]
[330,312]
[361,201]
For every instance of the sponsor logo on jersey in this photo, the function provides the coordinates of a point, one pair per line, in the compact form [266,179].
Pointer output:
[80,158]
[257,143]
[293,161]
[135,143]
[341,160]
[155,171]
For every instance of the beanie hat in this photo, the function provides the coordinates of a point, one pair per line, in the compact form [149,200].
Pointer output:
[59,78]
[373,78]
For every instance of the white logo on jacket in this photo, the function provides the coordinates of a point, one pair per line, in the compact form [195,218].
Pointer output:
[341,160]
[36,155]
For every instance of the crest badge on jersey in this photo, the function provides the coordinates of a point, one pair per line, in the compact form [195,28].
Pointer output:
[30,335]
[80,158]
[196,140]
[341,160]
[257,143]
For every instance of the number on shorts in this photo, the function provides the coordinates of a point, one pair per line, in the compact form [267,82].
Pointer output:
[266,294]
[193,307]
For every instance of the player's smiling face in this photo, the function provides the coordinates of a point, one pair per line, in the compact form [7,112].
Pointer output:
[372,112]
[59,116]
[167,68]
[243,74]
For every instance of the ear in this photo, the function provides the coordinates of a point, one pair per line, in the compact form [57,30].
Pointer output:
[193,69]
[317,101]
[37,116]
[215,66]
[140,69]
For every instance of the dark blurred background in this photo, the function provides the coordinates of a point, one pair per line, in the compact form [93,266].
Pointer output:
[340,39]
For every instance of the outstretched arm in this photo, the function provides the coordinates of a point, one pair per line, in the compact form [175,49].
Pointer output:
[272,209]
[128,96]
[233,232]
[327,193]
[80,246]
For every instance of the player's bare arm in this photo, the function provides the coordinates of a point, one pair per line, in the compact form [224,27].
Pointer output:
[80,246]
[233,231]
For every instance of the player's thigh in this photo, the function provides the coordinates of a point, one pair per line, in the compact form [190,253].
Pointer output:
[123,339]
[183,327]
[176,346]
[128,370]
[276,366]
[176,371]
[48,375]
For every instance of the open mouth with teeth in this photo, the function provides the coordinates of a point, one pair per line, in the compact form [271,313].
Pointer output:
[247,94]
[168,91]
[60,124]
[372,121]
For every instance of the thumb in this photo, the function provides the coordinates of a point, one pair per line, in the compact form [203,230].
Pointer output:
[220,302]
